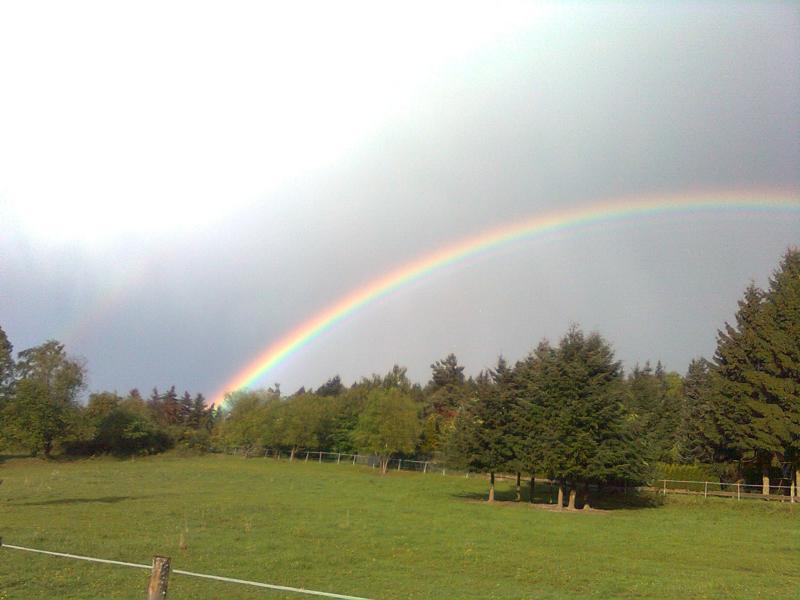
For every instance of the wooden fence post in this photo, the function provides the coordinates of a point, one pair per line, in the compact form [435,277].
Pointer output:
[320,456]
[355,456]
[159,578]
[705,492]
[399,464]
[665,487]
[738,491]
[339,458]
[425,468]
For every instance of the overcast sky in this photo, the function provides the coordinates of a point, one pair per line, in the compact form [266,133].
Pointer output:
[181,184]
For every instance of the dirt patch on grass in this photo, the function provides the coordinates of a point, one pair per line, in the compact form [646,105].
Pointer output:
[539,506]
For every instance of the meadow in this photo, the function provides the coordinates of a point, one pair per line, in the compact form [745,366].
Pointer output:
[346,529]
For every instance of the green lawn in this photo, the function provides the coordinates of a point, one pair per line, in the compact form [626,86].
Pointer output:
[346,529]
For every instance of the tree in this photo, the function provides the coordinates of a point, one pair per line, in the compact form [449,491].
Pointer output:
[781,377]
[7,369]
[245,418]
[332,387]
[586,435]
[756,373]
[200,416]
[388,425]
[43,410]
[446,387]
[304,423]
[482,439]
[527,438]
[700,435]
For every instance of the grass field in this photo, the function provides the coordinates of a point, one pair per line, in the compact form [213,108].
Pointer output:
[348,530]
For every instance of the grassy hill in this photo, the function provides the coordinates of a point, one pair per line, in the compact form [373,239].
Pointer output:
[348,530]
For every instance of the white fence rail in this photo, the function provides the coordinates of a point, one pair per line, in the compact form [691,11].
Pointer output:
[740,491]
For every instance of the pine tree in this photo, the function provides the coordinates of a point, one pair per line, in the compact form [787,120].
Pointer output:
[446,390]
[482,438]
[780,373]
[185,406]
[171,407]
[332,387]
[700,435]
[527,438]
[750,407]
[586,434]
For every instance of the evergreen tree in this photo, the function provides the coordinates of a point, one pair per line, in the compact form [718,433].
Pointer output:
[446,389]
[185,406]
[781,380]
[200,416]
[700,435]
[482,440]
[529,424]
[332,387]
[171,407]
[586,427]
[751,406]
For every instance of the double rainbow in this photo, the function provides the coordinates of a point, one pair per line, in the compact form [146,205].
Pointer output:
[574,218]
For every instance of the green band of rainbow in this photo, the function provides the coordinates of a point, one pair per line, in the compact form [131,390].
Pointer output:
[574,218]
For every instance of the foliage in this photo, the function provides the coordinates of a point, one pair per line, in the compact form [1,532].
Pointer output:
[43,409]
[388,425]
[756,375]
[7,369]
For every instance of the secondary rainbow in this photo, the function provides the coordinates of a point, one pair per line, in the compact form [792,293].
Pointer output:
[574,218]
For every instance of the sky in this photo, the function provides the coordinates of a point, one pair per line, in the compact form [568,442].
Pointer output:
[181,184]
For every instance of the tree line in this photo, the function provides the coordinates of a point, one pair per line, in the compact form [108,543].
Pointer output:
[567,410]
[39,409]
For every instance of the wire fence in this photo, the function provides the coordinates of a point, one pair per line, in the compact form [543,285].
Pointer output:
[737,490]
[369,460]
[271,586]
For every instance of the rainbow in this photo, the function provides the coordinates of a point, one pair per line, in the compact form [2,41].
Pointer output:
[574,218]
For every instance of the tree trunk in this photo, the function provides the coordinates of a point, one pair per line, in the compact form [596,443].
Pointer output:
[384,465]
[572,494]
[797,482]
[491,487]
[519,492]
[765,480]
[48,448]
[533,483]
[291,456]
[560,501]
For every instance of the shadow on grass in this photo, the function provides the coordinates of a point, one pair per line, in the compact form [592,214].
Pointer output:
[546,496]
[7,457]
[60,501]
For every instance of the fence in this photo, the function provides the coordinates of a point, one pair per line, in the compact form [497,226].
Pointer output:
[160,571]
[740,491]
[369,460]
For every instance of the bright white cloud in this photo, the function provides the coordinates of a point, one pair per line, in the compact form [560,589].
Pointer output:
[159,116]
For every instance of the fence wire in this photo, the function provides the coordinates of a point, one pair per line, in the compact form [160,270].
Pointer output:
[272,586]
